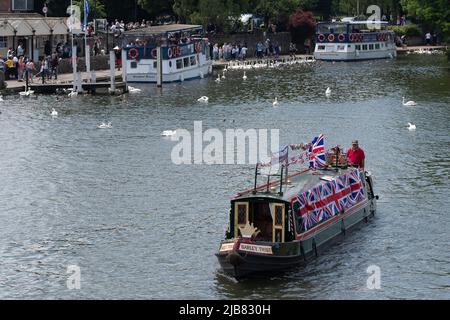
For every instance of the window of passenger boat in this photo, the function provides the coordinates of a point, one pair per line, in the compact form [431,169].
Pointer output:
[133,65]
[186,62]
[377,46]
[364,47]
[370,46]
[170,64]
[321,48]
[179,64]
[358,47]
[155,64]
[193,60]
[341,48]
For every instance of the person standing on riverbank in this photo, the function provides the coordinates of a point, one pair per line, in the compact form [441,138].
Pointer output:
[29,68]
[428,38]
[20,68]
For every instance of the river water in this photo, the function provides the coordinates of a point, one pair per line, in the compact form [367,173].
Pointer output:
[138,226]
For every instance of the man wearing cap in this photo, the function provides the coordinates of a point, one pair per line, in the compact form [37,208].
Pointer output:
[355,155]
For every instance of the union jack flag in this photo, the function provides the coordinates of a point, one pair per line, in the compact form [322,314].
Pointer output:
[357,188]
[317,152]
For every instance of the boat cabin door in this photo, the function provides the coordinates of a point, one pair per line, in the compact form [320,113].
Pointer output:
[278,217]
[240,216]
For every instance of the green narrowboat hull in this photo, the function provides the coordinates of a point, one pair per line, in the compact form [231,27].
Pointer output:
[242,263]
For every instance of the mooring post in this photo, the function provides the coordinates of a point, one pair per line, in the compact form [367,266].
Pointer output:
[124,69]
[88,63]
[74,67]
[159,67]
[112,68]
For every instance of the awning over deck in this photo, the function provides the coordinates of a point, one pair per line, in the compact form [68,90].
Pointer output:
[14,24]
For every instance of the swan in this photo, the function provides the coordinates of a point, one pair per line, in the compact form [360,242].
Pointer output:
[275,103]
[204,99]
[409,103]
[411,126]
[73,94]
[105,126]
[133,89]
[26,93]
[167,133]
[54,112]
[218,78]
[245,76]
[328,92]
[223,75]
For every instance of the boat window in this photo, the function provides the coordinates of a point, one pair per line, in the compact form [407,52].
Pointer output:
[261,218]
[186,62]
[364,47]
[358,47]
[370,46]
[332,28]
[179,64]
[133,65]
[241,215]
[155,64]
[349,46]
[341,48]
[170,64]
[193,61]
[278,215]
[321,48]
[377,46]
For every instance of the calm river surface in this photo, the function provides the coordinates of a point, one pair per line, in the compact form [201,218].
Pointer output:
[112,202]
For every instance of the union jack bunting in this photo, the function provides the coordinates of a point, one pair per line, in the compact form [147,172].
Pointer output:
[317,157]
[328,199]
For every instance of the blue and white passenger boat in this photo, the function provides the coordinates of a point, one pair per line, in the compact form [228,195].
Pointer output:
[185,53]
[354,40]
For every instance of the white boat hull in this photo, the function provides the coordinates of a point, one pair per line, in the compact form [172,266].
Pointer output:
[193,73]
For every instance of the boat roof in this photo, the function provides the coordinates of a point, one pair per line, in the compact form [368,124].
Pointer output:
[163,29]
[355,22]
[299,181]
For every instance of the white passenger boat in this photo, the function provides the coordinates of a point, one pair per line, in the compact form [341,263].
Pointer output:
[185,54]
[354,40]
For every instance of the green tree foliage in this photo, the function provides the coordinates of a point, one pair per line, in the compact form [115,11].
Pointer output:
[96,9]
[436,13]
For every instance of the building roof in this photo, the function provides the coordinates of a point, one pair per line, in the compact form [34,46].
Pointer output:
[23,24]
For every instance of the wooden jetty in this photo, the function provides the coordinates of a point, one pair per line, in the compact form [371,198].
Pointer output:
[50,88]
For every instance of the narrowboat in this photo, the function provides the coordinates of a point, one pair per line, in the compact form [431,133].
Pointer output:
[289,220]
[354,40]
[185,53]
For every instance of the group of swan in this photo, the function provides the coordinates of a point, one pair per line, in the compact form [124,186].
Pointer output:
[168,133]
[247,65]
[425,51]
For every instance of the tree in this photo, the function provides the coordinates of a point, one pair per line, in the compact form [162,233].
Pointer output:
[96,9]
[436,13]
[302,25]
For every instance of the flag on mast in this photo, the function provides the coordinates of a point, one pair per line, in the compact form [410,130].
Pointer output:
[86,13]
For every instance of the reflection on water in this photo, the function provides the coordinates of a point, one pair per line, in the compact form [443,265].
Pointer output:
[141,227]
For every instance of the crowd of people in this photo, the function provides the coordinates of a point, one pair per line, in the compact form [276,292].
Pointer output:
[238,51]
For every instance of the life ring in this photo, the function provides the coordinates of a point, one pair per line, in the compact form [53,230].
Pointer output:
[169,53]
[133,53]
[341,37]
[330,37]
[198,47]
[154,53]
[361,37]
[321,37]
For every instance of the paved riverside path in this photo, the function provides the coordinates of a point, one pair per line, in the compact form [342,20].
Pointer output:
[65,78]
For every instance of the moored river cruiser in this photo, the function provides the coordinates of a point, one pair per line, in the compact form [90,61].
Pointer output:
[288,221]
[185,53]
[354,40]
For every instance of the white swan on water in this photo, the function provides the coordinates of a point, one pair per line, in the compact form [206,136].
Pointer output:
[54,112]
[204,99]
[133,89]
[73,94]
[168,133]
[275,103]
[26,93]
[328,92]
[218,78]
[105,125]
[245,76]
[411,127]
[409,103]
